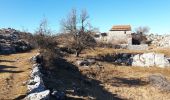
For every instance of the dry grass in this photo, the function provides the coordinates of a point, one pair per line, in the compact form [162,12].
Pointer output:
[165,51]
[14,70]
[125,81]
[129,82]
[104,82]
[103,51]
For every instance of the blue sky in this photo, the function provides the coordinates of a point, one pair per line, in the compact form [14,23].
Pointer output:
[27,14]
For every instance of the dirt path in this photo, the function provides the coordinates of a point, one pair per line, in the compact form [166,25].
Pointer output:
[14,71]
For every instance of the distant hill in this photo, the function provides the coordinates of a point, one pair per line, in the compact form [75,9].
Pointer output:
[12,41]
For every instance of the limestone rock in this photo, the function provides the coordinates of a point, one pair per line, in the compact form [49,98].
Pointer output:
[150,59]
[159,40]
[161,61]
[86,62]
[159,81]
[35,72]
[12,41]
[36,84]
[59,95]
[44,95]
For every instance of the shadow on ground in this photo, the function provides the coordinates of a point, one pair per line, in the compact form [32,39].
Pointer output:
[9,53]
[6,69]
[21,97]
[116,59]
[67,78]
[119,82]
[6,61]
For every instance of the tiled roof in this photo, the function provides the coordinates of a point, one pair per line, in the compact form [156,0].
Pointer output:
[121,28]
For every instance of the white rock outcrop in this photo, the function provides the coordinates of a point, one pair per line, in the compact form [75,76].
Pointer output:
[36,84]
[44,95]
[159,40]
[150,60]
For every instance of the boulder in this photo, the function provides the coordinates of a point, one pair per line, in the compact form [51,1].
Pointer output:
[35,59]
[161,61]
[159,40]
[35,72]
[12,41]
[44,95]
[6,48]
[150,59]
[138,47]
[58,95]
[123,59]
[86,62]
[21,45]
[36,85]
[159,81]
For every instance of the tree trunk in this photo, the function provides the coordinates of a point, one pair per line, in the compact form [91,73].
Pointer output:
[78,53]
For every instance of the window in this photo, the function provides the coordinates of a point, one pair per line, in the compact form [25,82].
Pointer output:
[96,36]
[125,32]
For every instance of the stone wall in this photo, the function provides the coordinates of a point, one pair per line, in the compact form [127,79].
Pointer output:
[138,47]
[12,41]
[116,37]
[36,87]
[150,60]
[119,37]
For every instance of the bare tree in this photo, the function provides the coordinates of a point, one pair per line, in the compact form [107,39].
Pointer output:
[139,36]
[43,36]
[142,30]
[46,44]
[79,30]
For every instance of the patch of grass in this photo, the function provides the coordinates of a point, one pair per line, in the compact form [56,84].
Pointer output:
[125,81]
[14,70]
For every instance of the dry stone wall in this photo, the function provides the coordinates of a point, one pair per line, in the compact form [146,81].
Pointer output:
[159,40]
[150,60]
[36,87]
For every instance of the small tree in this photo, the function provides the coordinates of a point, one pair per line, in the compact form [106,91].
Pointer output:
[139,37]
[79,30]
[46,43]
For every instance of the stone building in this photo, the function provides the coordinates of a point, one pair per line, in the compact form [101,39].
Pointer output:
[118,34]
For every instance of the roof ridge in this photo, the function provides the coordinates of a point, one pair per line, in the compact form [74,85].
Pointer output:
[121,28]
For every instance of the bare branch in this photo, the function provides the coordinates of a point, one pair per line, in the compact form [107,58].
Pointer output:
[142,30]
[80,34]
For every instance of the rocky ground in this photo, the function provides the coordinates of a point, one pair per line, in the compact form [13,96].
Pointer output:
[159,40]
[104,79]
[12,41]
[99,74]
[14,73]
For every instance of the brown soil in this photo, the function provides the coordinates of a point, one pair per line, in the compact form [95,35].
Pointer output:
[14,72]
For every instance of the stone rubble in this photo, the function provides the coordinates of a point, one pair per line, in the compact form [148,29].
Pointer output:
[11,41]
[36,87]
[159,40]
[150,59]
[159,81]
[43,95]
[123,59]
[86,62]
[59,95]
